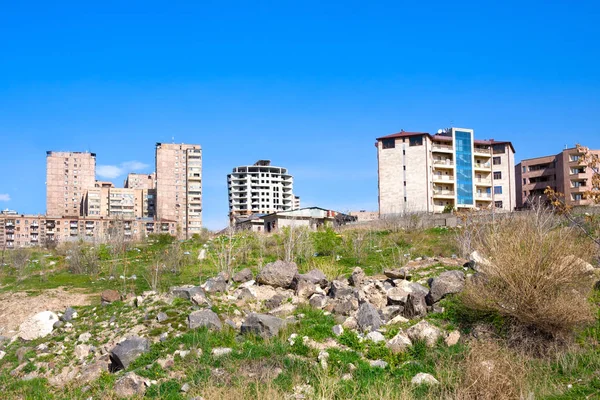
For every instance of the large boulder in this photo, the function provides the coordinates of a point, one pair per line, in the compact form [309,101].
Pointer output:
[416,306]
[424,331]
[368,318]
[315,276]
[278,274]
[127,351]
[340,289]
[38,326]
[244,275]
[186,292]
[358,277]
[446,283]
[373,293]
[402,273]
[399,293]
[204,318]
[262,324]
[109,296]
[130,385]
[399,343]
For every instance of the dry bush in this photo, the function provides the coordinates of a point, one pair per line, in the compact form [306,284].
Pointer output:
[491,372]
[534,275]
[81,258]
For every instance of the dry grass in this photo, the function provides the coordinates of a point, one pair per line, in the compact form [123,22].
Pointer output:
[535,275]
[492,372]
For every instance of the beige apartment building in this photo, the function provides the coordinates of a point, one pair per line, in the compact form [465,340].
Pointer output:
[450,170]
[68,177]
[564,172]
[179,186]
[140,181]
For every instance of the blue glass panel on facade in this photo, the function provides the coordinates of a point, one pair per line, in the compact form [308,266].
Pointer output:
[464,168]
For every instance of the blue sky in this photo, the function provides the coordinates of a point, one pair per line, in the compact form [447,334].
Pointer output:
[306,84]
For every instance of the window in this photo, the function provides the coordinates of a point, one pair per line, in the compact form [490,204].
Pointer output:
[524,181]
[498,161]
[387,144]
[497,175]
[524,169]
[574,157]
[499,148]
[497,189]
[415,141]
[577,196]
[498,204]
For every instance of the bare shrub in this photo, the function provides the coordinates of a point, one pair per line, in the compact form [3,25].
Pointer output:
[296,242]
[492,372]
[19,260]
[534,275]
[82,259]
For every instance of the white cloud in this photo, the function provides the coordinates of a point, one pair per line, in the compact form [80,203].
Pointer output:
[114,171]
[4,197]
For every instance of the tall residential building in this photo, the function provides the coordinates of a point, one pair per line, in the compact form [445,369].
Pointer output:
[420,172]
[140,181]
[563,172]
[260,189]
[68,177]
[179,186]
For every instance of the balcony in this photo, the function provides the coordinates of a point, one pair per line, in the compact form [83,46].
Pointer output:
[483,166]
[442,148]
[443,178]
[483,196]
[443,163]
[443,194]
[479,152]
[483,182]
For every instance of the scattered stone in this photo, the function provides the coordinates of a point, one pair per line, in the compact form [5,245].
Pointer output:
[278,274]
[446,283]
[84,337]
[389,312]
[323,357]
[398,294]
[343,306]
[82,351]
[347,377]
[200,299]
[221,351]
[216,285]
[350,323]
[424,379]
[399,343]
[91,372]
[378,363]
[69,315]
[58,325]
[274,301]
[130,385]
[262,324]
[204,318]
[315,276]
[375,337]
[424,331]
[185,387]
[127,351]
[368,318]
[318,301]
[20,353]
[416,306]
[402,273]
[162,317]
[2,354]
[340,289]
[186,292]
[373,293]
[358,277]
[338,330]
[397,320]
[244,275]
[110,296]
[305,289]
[38,326]
[478,261]
[452,338]
[163,337]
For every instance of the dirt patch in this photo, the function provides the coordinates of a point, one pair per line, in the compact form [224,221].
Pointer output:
[16,307]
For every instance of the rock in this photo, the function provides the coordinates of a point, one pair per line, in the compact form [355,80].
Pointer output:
[305,289]
[38,326]
[347,377]
[186,292]
[58,325]
[399,319]
[340,289]
[358,277]
[323,358]
[318,301]
[391,312]
[338,330]
[216,285]
[574,261]
[82,351]
[375,337]
[283,310]
[244,275]
[447,283]
[261,324]
[278,274]
[368,317]
[130,385]
[373,293]
[398,294]
[20,353]
[91,372]
[221,351]
[424,331]
[204,318]
[424,379]
[402,273]
[479,261]
[452,338]
[399,343]
[274,301]
[84,337]
[378,363]
[201,299]
[163,337]
[127,351]
[350,323]
[69,315]
[2,354]
[224,275]
[343,305]
[416,306]
[185,388]
[315,276]
[110,296]
[162,317]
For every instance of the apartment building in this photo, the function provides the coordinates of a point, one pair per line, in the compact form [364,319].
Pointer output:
[68,177]
[18,230]
[140,181]
[260,188]
[563,172]
[421,172]
[179,186]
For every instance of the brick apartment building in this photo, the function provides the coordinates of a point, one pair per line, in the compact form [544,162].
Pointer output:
[563,172]
[421,172]
[68,176]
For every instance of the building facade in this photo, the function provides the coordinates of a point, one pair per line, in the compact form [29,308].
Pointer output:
[140,181]
[179,186]
[450,170]
[260,189]
[68,177]
[564,172]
